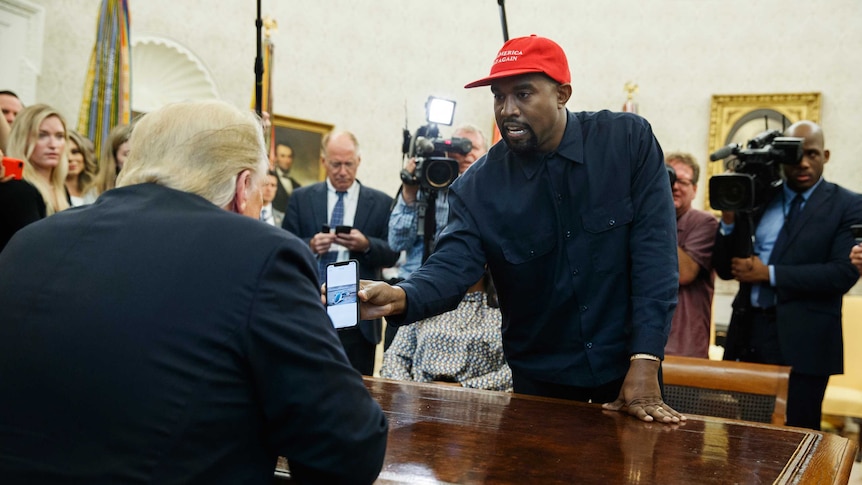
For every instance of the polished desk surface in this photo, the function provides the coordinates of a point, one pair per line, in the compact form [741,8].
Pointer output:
[447,434]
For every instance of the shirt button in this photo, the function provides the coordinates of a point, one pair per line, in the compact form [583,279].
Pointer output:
[532,253]
[568,234]
[575,272]
[589,345]
[583,308]
[611,222]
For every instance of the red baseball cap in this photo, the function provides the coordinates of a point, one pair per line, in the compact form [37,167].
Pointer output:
[523,55]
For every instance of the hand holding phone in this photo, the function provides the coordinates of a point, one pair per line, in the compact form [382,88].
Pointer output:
[13,167]
[342,286]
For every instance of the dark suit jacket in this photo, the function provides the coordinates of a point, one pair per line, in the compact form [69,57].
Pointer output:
[306,213]
[155,338]
[21,204]
[812,274]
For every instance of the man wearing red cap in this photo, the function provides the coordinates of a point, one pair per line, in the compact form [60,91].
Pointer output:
[573,215]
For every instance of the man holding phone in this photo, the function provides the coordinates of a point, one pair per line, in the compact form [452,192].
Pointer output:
[341,219]
[207,353]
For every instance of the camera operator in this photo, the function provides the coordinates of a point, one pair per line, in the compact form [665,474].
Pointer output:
[404,220]
[788,308]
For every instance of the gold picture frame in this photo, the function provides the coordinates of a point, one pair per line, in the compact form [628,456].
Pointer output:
[305,138]
[737,118]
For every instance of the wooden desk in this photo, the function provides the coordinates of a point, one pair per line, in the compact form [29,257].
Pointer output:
[445,434]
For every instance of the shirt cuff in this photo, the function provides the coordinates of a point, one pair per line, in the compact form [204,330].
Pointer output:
[771,275]
[725,229]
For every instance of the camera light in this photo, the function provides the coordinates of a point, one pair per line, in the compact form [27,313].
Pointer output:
[439,110]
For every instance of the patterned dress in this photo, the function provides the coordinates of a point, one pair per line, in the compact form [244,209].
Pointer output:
[463,345]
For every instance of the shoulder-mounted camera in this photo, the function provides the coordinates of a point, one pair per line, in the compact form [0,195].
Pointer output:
[753,172]
[434,169]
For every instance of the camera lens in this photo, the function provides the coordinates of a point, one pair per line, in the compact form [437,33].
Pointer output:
[440,173]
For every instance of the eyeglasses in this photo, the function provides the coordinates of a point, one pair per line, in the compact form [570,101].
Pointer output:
[684,182]
[334,165]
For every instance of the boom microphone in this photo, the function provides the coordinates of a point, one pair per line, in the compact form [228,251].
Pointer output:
[724,152]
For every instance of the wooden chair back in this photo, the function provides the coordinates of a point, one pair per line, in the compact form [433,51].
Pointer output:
[726,389]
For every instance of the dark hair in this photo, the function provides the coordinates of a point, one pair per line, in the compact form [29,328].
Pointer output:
[10,93]
[272,172]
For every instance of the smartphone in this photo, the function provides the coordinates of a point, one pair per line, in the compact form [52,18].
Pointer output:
[14,167]
[342,285]
[343,229]
[857,232]
[324,229]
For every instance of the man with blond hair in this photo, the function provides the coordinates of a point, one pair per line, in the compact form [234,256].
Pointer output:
[156,336]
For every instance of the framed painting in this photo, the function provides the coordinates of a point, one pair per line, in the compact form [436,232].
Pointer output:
[738,118]
[304,137]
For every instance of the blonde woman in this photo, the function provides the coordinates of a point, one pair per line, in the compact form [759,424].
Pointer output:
[83,168]
[38,137]
[115,151]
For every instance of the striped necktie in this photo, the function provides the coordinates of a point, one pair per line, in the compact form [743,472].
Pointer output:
[337,219]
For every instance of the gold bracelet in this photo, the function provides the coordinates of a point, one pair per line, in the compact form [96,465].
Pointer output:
[645,357]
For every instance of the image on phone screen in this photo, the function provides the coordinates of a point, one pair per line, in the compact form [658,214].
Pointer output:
[342,284]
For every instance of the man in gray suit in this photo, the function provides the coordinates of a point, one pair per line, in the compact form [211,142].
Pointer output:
[363,214]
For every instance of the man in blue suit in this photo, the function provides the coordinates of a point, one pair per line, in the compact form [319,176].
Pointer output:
[788,309]
[342,201]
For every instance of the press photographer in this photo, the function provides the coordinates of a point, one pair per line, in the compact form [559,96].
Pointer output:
[432,164]
[426,191]
[791,282]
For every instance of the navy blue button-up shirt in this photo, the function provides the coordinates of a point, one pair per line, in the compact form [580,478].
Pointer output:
[581,243]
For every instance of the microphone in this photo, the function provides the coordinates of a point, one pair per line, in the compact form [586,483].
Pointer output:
[424,146]
[724,152]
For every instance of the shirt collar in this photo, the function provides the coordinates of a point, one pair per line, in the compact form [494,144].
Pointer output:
[352,191]
[571,148]
[789,193]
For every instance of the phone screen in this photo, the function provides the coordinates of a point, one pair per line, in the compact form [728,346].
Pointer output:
[342,284]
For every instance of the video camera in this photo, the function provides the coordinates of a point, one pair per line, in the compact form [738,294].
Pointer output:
[753,171]
[434,170]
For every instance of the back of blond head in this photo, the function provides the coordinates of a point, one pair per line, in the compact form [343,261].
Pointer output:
[22,143]
[196,147]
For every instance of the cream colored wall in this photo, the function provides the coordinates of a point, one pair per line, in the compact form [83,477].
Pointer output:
[358,63]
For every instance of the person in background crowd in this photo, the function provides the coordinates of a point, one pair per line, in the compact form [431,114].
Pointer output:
[115,151]
[268,214]
[463,346]
[21,202]
[10,105]
[695,235]
[403,220]
[158,336]
[38,137]
[83,169]
[788,309]
[574,217]
[342,201]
